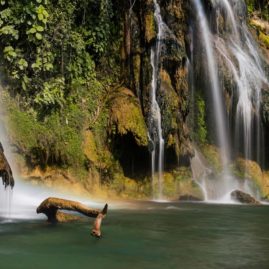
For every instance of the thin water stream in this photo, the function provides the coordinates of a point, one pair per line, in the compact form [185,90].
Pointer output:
[156,133]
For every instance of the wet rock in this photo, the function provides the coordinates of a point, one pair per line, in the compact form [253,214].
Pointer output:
[5,170]
[172,93]
[128,133]
[244,198]
[126,116]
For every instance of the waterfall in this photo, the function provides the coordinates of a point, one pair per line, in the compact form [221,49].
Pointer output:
[236,47]
[240,53]
[220,121]
[156,132]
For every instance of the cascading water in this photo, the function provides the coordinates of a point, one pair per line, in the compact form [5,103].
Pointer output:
[242,58]
[239,52]
[220,121]
[214,83]
[156,133]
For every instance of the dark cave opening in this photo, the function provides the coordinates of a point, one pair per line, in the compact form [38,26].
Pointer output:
[134,159]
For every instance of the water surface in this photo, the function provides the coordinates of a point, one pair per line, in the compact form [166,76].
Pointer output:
[186,236]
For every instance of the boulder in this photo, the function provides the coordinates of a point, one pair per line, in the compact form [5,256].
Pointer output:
[244,198]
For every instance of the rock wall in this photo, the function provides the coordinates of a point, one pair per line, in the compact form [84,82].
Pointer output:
[140,33]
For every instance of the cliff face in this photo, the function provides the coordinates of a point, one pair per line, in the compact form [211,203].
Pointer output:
[140,34]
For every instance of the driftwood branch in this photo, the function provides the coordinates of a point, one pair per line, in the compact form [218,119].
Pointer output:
[51,208]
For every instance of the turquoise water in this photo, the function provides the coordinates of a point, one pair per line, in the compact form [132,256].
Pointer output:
[186,236]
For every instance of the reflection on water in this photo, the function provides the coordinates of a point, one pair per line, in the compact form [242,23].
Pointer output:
[186,236]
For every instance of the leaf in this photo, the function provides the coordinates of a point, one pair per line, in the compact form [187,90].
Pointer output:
[40,16]
[38,36]
[15,74]
[23,85]
[39,28]
[45,13]
[31,31]
[8,49]
[22,64]
[48,66]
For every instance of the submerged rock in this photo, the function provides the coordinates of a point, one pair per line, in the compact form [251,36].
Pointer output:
[244,198]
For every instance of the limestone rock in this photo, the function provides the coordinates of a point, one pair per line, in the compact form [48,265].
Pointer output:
[126,116]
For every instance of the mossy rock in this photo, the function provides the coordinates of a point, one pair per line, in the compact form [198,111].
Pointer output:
[170,103]
[251,170]
[212,155]
[264,39]
[126,116]
[89,146]
[177,182]
[127,188]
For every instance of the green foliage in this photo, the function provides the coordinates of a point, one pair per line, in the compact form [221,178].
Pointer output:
[262,6]
[52,142]
[44,40]
[51,53]
[52,95]
[200,123]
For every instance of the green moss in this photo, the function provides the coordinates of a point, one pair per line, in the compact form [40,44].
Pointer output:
[250,6]
[252,171]
[170,103]
[264,39]
[212,155]
[259,7]
[136,69]
[50,142]
[127,117]
[200,134]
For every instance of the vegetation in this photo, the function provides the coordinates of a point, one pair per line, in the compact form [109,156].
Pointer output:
[262,6]
[200,127]
[51,52]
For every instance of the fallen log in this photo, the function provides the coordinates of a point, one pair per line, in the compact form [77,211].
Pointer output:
[51,206]
[5,170]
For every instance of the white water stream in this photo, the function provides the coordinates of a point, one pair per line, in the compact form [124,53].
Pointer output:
[206,38]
